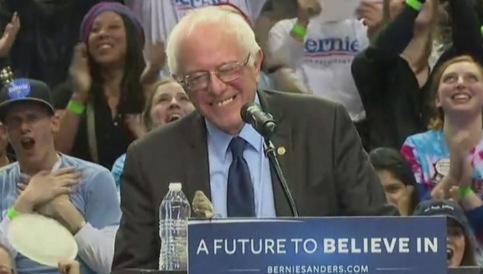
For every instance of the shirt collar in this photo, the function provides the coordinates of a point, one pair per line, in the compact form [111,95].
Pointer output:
[25,177]
[223,139]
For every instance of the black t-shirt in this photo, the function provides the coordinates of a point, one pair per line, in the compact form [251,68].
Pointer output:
[112,135]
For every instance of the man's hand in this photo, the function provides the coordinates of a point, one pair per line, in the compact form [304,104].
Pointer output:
[51,208]
[45,186]
[59,208]
[69,267]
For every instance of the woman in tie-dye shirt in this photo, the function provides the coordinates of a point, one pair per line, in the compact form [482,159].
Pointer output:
[455,134]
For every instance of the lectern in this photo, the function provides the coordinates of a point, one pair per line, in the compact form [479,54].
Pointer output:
[371,245]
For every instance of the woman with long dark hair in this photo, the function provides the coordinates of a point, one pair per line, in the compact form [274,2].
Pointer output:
[103,115]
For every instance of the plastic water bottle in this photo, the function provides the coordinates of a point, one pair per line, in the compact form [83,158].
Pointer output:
[174,213]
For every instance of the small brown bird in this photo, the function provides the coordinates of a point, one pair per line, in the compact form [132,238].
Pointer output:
[202,206]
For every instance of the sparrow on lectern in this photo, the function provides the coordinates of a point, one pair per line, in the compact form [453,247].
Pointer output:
[202,206]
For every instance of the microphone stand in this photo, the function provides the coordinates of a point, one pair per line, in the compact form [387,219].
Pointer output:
[269,149]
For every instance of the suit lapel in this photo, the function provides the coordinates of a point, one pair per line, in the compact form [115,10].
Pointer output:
[282,141]
[198,171]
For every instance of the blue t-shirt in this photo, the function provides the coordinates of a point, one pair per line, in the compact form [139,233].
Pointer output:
[95,197]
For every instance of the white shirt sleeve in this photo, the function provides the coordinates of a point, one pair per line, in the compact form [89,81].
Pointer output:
[4,236]
[282,48]
[96,247]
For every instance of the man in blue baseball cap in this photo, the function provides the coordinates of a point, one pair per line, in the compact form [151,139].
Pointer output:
[80,195]
[25,90]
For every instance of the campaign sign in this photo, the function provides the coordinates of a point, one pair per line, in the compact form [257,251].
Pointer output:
[395,245]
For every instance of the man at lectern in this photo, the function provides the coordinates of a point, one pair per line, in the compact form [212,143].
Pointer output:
[214,55]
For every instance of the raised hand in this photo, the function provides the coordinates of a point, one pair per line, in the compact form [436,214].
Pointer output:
[454,194]
[460,170]
[155,55]
[371,14]
[135,124]
[79,74]
[9,35]
[308,9]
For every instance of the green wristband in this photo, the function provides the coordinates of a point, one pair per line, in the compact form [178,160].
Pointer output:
[76,107]
[299,30]
[465,191]
[12,213]
[415,4]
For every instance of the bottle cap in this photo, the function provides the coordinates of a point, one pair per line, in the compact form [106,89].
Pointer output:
[175,186]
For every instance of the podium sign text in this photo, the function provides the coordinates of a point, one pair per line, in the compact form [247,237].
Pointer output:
[409,245]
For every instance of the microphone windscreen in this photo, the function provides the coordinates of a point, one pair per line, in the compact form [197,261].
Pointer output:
[202,206]
[245,112]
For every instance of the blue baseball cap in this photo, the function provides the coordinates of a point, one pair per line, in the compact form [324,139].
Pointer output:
[446,208]
[25,90]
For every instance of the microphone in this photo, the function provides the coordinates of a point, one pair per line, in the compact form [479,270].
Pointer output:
[262,122]
[202,206]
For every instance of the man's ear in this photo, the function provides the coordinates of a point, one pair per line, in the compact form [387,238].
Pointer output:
[55,123]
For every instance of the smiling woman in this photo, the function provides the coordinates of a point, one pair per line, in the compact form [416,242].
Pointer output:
[450,95]
[455,135]
[105,87]
[169,102]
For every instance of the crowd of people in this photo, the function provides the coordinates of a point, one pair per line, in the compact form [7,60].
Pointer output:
[110,101]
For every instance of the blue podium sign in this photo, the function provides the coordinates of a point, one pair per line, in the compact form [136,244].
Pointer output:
[382,245]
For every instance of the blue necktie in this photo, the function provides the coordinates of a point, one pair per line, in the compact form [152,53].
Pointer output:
[240,197]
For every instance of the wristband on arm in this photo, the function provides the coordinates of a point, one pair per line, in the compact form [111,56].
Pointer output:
[465,191]
[76,107]
[299,30]
[12,213]
[415,4]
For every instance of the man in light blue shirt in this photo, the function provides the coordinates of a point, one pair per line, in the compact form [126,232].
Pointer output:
[214,54]
[220,158]
[80,195]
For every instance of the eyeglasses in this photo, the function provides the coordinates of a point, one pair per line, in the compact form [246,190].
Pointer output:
[226,73]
